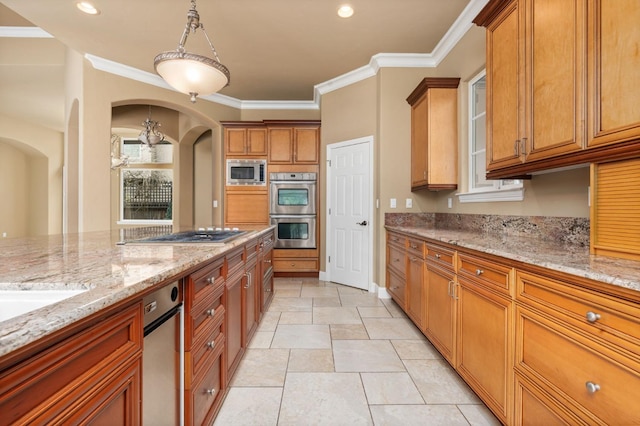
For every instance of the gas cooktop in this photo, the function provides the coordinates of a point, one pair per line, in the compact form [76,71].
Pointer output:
[201,236]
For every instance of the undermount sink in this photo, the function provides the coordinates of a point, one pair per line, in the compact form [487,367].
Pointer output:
[18,302]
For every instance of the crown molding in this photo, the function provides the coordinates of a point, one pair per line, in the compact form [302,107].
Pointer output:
[24,32]
[381,60]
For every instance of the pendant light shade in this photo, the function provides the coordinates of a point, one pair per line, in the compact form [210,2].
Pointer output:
[189,73]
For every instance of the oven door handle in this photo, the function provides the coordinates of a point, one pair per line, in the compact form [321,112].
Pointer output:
[292,216]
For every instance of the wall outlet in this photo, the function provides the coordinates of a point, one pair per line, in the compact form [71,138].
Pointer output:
[393,203]
[4,235]
[215,204]
[409,203]
[450,202]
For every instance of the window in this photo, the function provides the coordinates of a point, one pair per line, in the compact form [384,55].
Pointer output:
[480,189]
[146,183]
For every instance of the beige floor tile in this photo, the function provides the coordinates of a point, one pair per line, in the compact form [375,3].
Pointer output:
[347,290]
[250,407]
[331,399]
[391,328]
[261,340]
[438,383]
[319,292]
[302,336]
[295,318]
[269,321]
[337,315]
[287,292]
[364,299]
[417,415]
[311,360]
[288,304]
[416,349]
[319,302]
[390,388]
[262,367]
[348,332]
[479,415]
[393,308]
[365,356]
[280,282]
[374,312]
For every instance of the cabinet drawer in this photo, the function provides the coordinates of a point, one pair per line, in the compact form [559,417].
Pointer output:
[487,274]
[293,265]
[396,239]
[396,285]
[415,247]
[568,364]
[207,345]
[252,249]
[208,391]
[603,317]
[204,314]
[235,261]
[440,256]
[397,260]
[204,282]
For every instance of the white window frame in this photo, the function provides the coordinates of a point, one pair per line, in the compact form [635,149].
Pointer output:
[501,190]
[139,166]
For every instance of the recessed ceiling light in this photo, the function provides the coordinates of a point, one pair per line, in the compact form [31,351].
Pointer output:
[345,11]
[87,8]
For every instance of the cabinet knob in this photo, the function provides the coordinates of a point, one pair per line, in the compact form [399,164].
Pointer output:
[210,312]
[592,317]
[210,345]
[414,246]
[293,264]
[267,261]
[592,387]
[437,255]
[210,280]
[210,391]
[479,271]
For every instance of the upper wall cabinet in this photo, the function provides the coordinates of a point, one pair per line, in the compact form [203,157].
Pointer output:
[245,139]
[562,82]
[293,142]
[434,134]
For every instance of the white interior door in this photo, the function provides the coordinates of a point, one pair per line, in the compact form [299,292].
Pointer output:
[349,213]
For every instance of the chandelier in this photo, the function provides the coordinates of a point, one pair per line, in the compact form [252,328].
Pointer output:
[151,134]
[190,73]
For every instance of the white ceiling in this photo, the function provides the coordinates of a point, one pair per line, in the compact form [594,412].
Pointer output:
[276,50]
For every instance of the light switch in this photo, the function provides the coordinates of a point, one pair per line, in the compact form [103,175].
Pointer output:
[393,203]
[215,204]
[409,203]
[449,202]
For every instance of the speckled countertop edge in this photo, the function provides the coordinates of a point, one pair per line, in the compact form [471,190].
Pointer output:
[109,271]
[563,257]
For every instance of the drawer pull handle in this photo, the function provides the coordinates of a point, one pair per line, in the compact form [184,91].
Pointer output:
[210,312]
[248,275]
[211,280]
[413,246]
[592,317]
[479,272]
[437,255]
[210,345]
[592,387]
[267,261]
[210,391]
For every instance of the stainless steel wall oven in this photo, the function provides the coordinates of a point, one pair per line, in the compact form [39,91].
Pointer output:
[293,209]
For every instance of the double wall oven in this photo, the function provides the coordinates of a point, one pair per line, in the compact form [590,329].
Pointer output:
[293,209]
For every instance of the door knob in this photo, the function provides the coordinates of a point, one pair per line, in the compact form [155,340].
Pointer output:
[363,223]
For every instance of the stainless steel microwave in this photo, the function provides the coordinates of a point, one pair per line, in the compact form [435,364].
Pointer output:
[246,172]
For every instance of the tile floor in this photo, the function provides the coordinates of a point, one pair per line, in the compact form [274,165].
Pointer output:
[327,354]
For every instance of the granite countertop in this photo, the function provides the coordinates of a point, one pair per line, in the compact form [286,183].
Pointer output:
[548,253]
[94,261]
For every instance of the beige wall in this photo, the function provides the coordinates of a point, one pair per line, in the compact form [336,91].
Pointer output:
[32,161]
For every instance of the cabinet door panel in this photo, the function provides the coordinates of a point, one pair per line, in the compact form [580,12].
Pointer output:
[306,146]
[280,146]
[257,142]
[504,83]
[235,142]
[419,145]
[614,61]
[416,295]
[233,322]
[440,318]
[555,75]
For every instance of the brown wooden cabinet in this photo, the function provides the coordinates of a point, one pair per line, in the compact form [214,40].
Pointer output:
[561,83]
[92,376]
[416,282]
[485,331]
[245,139]
[235,277]
[397,268]
[204,342]
[293,142]
[246,207]
[250,293]
[434,134]
[265,260]
[441,296]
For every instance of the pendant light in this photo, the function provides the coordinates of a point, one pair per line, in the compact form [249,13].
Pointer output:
[190,73]
[151,134]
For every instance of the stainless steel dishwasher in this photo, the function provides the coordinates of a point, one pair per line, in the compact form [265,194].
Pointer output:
[163,357]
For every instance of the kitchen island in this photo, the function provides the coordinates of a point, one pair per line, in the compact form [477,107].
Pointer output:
[95,336]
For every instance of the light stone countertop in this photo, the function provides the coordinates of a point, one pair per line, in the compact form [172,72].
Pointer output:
[110,272]
[564,257]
